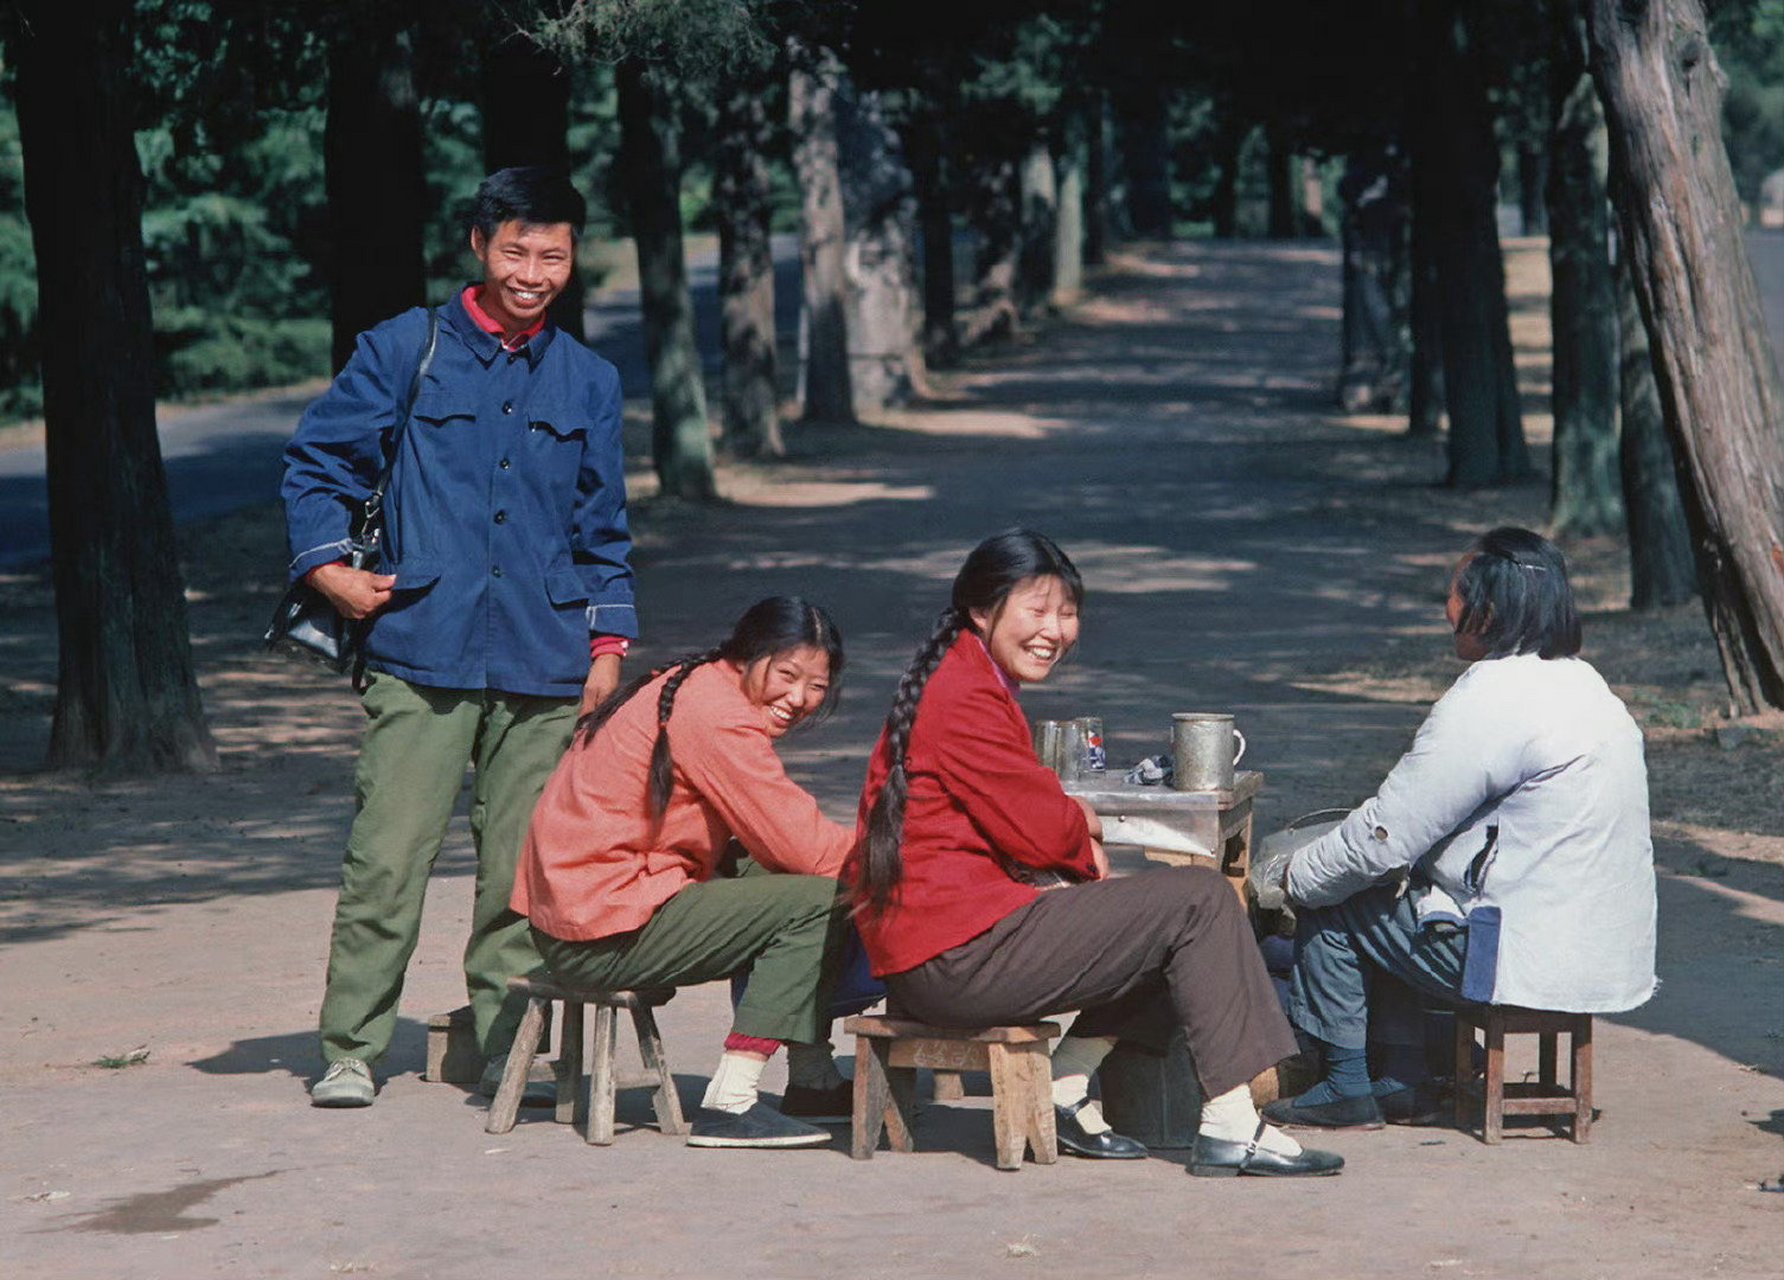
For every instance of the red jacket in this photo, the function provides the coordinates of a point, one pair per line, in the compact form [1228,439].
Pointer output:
[977,795]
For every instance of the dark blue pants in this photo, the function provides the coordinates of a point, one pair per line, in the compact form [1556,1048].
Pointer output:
[1366,961]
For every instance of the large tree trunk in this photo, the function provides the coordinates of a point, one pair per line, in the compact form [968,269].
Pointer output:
[743,200]
[995,210]
[1040,224]
[1662,571]
[1068,226]
[1719,387]
[924,149]
[811,97]
[1456,147]
[377,189]
[1586,494]
[1534,181]
[1373,364]
[1424,415]
[1230,152]
[880,219]
[526,121]
[650,157]
[1098,218]
[1285,205]
[126,695]
[1146,156]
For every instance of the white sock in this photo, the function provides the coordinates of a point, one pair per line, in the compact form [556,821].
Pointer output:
[734,1083]
[812,1066]
[1232,1117]
[1075,1060]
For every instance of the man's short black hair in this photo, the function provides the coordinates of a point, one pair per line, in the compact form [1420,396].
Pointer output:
[535,194]
[1516,597]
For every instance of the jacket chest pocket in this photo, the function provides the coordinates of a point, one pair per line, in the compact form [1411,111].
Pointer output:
[554,445]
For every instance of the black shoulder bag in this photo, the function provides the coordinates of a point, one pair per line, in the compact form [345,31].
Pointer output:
[305,622]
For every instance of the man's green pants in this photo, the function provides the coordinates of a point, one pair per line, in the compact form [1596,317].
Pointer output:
[418,742]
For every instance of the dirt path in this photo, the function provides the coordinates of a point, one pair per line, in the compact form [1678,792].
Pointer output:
[1244,550]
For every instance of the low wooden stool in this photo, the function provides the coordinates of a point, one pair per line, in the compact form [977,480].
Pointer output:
[596,1107]
[888,1052]
[1545,1096]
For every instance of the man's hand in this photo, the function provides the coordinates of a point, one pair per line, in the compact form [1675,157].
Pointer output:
[603,679]
[355,593]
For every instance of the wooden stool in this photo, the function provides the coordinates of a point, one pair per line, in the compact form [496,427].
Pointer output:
[888,1052]
[1544,1097]
[596,1107]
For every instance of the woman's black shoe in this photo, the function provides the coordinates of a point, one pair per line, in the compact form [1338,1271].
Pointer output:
[1107,1145]
[1217,1158]
[1341,1113]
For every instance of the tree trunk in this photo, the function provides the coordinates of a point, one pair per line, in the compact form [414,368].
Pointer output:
[126,696]
[1285,210]
[743,201]
[1424,415]
[996,215]
[1068,226]
[1040,224]
[1146,151]
[1098,226]
[1455,145]
[377,189]
[924,148]
[526,121]
[812,117]
[650,158]
[1533,183]
[1231,152]
[1719,387]
[1661,568]
[1586,493]
[880,221]
[1373,226]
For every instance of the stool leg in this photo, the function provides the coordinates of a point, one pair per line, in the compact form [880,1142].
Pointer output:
[506,1107]
[1545,1060]
[665,1100]
[1009,1105]
[569,1065]
[1043,1135]
[600,1079]
[1493,1123]
[1582,1079]
[873,1096]
[949,1087]
[1464,1070]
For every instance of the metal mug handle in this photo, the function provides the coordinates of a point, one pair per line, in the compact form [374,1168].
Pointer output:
[1240,753]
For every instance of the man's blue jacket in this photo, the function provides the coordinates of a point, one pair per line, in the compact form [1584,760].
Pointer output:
[505,520]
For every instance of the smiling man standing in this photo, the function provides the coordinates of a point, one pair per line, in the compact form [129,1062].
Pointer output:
[502,603]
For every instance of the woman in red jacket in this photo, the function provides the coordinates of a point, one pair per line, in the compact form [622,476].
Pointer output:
[957,810]
[619,870]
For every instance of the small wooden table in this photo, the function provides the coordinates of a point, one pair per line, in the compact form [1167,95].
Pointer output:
[1216,821]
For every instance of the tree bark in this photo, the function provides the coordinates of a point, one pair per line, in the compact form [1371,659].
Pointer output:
[1098,220]
[650,158]
[1586,491]
[1662,571]
[924,148]
[1456,148]
[1231,151]
[880,222]
[377,188]
[1534,180]
[1719,387]
[1424,416]
[126,696]
[1146,151]
[526,121]
[1373,222]
[1068,226]
[996,216]
[1040,224]
[743,201]
[1285,208]
[812,116]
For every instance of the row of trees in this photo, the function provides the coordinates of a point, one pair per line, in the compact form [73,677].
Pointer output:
[1050,130]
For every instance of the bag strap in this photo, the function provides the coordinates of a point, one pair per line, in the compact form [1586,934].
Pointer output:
[374,503]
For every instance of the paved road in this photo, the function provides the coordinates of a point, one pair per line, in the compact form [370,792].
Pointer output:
[225,457]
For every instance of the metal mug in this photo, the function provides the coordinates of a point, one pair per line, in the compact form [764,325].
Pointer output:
[1202,750]
[1047,735]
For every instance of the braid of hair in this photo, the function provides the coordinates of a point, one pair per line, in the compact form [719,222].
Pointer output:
[662,767]
[883,867]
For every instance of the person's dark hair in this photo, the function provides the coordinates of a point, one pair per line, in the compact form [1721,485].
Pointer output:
[538,195]
[767,628]
[1516,597]
[994,568]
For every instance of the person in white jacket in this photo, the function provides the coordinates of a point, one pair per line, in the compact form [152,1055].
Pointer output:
[1506,859]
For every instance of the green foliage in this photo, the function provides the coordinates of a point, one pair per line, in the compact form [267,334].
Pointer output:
[1748,36]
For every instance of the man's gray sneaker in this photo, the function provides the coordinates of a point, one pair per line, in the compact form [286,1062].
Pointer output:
[760,1126]
[346,1083]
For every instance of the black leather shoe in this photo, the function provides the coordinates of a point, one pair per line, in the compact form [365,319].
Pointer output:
[1108,1145]
[1217,1158]
[1345,1113]
[1418,1106]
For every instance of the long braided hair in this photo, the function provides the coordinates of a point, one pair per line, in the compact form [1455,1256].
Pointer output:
[995,567]
[767,629]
